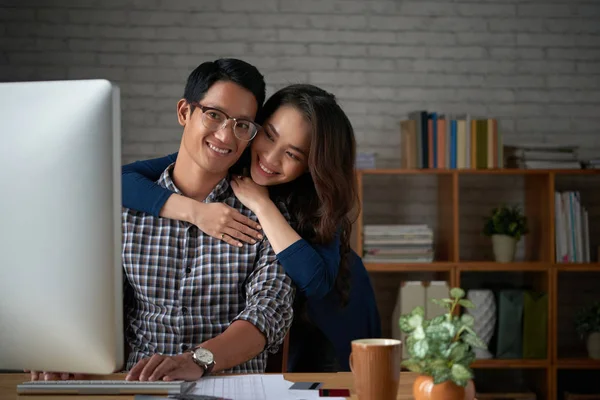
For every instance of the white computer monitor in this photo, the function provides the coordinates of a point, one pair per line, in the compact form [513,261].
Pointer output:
[60,227]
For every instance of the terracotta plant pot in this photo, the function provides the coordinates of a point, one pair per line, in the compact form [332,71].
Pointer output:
[424,389]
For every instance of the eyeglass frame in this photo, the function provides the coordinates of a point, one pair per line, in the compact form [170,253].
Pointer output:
[235,120]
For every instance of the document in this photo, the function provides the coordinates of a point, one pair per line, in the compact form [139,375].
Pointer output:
[253,387]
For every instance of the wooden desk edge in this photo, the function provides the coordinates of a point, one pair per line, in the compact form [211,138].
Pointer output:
[339,380]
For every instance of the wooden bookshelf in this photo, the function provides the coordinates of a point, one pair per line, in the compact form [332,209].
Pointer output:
[511,363]
[578,363]
[393,267]
[537,266]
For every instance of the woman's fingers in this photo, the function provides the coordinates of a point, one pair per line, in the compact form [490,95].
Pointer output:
[252,225]
[228,239]
[246,231]
[234,233]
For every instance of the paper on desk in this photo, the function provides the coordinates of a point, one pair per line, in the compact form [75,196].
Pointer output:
[253,387]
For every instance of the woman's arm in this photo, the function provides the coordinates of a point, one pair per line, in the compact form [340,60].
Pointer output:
[312,268]
[142,193]
[139,188]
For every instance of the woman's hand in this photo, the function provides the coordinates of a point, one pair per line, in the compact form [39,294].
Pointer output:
[249,193]
[225,223]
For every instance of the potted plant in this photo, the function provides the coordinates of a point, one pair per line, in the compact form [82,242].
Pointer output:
[441,350]
[587,324]
[505,225]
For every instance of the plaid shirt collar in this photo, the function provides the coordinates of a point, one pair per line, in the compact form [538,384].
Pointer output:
[218,194]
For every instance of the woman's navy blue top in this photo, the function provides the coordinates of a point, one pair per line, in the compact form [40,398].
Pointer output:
[312,268]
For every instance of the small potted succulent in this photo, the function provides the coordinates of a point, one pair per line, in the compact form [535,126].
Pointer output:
[587,324]
[441,350]
[506,225]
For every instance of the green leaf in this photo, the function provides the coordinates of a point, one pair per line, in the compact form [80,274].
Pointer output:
[457,293]
[438,348]
[418,311]
[415,321]
[469,329]
[438,332]
[467,359]
[442,302]
[467,319]
[473,340]
[438,363]
[419,333]
[461,373]
[440,319]
[404,325]
[412,365]
[420,348]
[441,375]
[459,382]
[466,303]
[458,351]
[410,342]
[450,327]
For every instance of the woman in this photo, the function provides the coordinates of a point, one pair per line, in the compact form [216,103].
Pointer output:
[303,156]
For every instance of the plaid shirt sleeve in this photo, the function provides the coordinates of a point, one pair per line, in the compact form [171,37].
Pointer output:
[269,297]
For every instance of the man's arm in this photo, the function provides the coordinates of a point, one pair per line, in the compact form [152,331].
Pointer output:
[269,300]
[267,317]
[262,324]
[240,342]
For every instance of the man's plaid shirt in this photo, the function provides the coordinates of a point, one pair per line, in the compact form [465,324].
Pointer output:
[184,287]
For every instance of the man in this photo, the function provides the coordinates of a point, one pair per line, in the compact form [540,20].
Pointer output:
[198,304]
[195,304]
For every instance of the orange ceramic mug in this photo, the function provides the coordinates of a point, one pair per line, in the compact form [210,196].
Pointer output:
[375,365]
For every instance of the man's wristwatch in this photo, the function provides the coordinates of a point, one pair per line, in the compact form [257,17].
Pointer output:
[204,359]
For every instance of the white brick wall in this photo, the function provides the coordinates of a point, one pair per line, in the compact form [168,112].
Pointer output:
[533,64]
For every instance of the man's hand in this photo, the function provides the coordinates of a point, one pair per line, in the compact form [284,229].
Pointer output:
[55,376]
[166,368]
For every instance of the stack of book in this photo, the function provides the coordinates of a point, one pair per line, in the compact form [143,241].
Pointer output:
[542,156]
[572,233]
[435,140]
[398,244]
[592,164]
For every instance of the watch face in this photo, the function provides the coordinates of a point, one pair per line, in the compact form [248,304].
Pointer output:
[203,355]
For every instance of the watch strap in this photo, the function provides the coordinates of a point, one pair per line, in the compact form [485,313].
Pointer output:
[207,367]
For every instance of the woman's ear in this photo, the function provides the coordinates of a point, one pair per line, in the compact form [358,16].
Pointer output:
[183,112]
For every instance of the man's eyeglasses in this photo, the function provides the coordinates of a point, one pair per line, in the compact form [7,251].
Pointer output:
[215,119]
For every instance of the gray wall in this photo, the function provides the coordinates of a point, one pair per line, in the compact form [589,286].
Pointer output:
[535,65]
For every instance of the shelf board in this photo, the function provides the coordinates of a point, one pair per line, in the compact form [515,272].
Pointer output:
[576,171]
[577,266]
[503,171]
[398,171]
[578,363]
[491,171]
[510,363]
[409,267]
[496,266]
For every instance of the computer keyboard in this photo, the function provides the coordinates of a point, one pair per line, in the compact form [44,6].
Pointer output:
[105,387]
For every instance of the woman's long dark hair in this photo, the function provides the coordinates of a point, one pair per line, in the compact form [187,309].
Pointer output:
[320,201]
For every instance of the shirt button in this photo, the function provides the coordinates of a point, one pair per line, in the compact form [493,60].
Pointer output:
[184,347]
[188,270]
[184,310]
